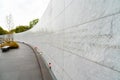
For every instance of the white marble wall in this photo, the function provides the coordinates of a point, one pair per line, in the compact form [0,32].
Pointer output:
[81,38]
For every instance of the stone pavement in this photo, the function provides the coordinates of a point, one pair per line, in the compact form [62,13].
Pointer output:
[21,64]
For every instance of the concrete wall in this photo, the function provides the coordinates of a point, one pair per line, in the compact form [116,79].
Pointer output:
[81,38]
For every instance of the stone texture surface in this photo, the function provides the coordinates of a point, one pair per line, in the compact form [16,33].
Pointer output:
[81,38]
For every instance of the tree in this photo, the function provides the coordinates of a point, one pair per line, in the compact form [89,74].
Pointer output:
[20,28]
[2,31]
[23,28]
[33,22]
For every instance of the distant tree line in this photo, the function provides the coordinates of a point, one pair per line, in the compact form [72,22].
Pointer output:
[20,28]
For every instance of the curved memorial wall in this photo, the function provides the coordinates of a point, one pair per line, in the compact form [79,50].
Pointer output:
[80,38]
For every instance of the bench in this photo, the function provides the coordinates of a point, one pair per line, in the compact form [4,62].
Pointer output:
[5,48]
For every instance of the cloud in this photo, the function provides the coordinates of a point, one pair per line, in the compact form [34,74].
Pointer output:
[22,11]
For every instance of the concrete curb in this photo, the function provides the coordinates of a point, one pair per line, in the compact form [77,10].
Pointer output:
[40,61]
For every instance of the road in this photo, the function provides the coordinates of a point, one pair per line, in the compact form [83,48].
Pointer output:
[20,64]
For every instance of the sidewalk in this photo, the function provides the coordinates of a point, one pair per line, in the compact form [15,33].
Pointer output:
[21,64]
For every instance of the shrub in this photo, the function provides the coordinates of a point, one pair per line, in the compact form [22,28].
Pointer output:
[12,44]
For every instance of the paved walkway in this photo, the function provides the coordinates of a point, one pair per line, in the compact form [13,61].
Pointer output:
[20,64]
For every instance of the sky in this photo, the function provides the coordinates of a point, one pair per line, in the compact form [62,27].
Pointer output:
[22,11]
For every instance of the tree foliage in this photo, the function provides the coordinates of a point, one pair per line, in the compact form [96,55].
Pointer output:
[2,31]
[20,28]
[23,28]
[33,22]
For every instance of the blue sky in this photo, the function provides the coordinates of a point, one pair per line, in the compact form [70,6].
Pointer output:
[22,11]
